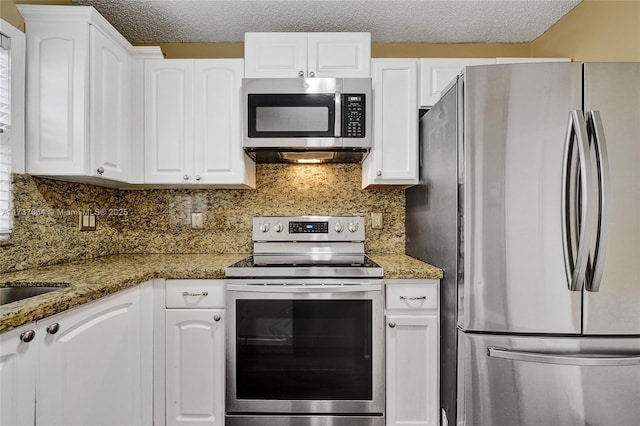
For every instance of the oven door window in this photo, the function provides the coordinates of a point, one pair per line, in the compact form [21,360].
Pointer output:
[304,349]
[291,115]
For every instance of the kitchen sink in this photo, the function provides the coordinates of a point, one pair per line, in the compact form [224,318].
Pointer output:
[15,293]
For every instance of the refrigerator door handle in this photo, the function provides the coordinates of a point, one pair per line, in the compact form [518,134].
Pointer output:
[576,269]
[583,360]
[595,132]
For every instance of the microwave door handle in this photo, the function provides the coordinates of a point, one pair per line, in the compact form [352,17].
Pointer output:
[338,114]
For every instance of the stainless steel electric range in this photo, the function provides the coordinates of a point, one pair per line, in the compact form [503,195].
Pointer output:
[305,332]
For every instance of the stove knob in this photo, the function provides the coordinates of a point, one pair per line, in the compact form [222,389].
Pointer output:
[278,227]
[264,227]
[353,227]
[339,228]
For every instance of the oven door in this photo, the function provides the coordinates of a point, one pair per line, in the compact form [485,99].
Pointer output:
[305,349]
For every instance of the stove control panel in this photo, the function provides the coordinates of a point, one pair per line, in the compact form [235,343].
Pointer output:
[308,228]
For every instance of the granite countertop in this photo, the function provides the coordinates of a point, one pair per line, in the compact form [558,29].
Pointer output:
[400,266]
[88,280]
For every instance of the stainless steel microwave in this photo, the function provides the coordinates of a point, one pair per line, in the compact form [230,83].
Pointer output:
[307,119]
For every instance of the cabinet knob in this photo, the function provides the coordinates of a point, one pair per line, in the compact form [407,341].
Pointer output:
[185,177]
[217,317]
[392,324]
[300,73]
[379,173]
[312,74]
[100,170]
[53,328]
[198,177]
[27,336]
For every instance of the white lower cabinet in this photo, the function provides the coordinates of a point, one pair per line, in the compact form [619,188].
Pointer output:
[195,367]
[194,352]
[412,348]
[18,349]
[90,364]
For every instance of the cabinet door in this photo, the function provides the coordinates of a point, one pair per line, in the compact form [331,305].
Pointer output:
[436,74]
[110,112]
[168,135]
[219,157]
[57,98]
[195,376]
[412,370]
[17,378]
[339,54]
[394,157]
[275,55]
[89,371]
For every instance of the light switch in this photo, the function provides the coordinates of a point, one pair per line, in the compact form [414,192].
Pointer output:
[86,222]
[197,220]
[376,220]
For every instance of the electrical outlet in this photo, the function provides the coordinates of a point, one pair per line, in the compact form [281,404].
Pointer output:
[197,220]
[86,222]
[376,220]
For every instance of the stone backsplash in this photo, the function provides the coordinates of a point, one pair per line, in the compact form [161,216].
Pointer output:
[159,220]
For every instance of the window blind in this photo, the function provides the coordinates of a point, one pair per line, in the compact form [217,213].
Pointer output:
[6,214]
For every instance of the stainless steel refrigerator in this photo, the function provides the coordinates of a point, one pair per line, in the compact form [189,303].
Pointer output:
[529,199]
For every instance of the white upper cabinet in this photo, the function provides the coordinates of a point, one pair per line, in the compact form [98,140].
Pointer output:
[282,55]
[437,73]
[275,55]
[193,132]
[393,159]
[79,101]
[110,109]
[168,120]
[339,55]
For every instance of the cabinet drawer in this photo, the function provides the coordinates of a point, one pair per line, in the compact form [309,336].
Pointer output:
[412,296]
[195,294]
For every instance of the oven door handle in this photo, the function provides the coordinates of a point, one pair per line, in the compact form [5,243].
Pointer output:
[311,288]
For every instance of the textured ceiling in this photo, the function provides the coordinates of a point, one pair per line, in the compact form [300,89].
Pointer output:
[398,21]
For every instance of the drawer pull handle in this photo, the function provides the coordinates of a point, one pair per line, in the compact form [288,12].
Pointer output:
[186,293]
[413,298]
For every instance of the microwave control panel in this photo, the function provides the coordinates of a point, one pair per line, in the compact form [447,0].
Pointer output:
[353,118]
